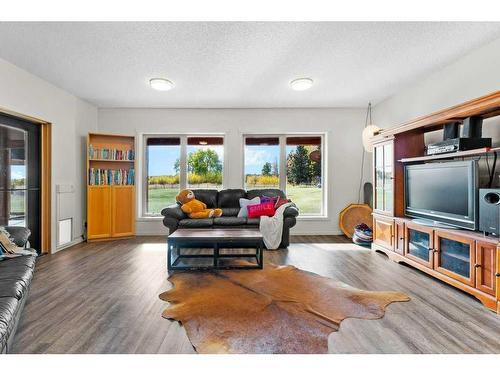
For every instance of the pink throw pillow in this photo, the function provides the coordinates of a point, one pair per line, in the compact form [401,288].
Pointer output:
[262,209]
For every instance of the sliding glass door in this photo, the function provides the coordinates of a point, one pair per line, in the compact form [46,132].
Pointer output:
[20,175]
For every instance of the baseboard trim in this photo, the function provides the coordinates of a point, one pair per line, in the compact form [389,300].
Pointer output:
[315,233]
[69,244]
[308,233]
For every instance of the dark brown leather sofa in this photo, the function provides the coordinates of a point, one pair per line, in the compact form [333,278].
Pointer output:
[229,201]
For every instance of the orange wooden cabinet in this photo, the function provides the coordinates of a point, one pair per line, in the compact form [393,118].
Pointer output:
[497,276]
[399,236]
[485,266]
[98,212]
[419,244]
[466,260]
[383,231]
[455,256]
[122,211]
[110,212]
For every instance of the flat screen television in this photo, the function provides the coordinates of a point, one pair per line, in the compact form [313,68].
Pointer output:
[443,192]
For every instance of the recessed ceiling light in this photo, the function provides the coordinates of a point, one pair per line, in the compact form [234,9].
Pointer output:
[161,84]
[301,84]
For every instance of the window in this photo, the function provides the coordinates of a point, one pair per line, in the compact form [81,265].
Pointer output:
[293,164]
[205,157]
[303,174]
[262,163]
[174,163]
[163,173]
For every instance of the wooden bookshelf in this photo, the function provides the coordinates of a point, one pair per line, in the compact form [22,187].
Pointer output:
[110,199]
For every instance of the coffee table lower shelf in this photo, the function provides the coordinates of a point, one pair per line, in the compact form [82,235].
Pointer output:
[177,243]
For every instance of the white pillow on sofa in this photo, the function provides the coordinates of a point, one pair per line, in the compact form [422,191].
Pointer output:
[246,202]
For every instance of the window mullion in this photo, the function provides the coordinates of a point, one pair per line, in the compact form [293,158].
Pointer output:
[282,167]
[145,177]
[183,163]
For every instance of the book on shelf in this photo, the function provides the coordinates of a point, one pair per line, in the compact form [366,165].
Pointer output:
[98,176]
[110,154]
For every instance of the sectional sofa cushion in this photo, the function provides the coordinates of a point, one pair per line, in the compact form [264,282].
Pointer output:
[28,261]
[230,221]
[196,223]
[230,198]
[12,288]
[230,211]
[8,308]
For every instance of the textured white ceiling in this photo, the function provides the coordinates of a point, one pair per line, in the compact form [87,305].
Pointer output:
[237,64]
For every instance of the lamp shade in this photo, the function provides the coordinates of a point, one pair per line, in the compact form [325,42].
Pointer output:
[368,132]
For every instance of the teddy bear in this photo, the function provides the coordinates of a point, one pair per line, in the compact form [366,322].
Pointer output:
[194,208]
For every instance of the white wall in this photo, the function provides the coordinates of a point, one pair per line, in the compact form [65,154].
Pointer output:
[474,75]
[71,120]
[343,127]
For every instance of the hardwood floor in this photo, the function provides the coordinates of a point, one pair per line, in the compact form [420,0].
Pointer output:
[103,298]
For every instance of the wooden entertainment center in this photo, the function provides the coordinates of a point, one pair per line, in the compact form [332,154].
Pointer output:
[424,247]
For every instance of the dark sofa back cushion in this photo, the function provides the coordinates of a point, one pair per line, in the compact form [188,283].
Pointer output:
[207,196]
[230,198]
[267,192]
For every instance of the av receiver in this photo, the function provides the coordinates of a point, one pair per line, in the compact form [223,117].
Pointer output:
[457,144]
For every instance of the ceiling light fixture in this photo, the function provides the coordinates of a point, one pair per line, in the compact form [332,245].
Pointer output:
[301,84]
[203,143]
[161,84]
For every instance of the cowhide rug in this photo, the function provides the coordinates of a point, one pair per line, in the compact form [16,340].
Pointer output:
[274,310]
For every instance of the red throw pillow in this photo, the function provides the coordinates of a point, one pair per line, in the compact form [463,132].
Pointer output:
[262,209]
[281,202]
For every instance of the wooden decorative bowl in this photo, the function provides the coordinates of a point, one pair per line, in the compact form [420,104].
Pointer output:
[353,215]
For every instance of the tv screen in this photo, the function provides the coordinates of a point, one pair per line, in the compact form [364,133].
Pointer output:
[444,192]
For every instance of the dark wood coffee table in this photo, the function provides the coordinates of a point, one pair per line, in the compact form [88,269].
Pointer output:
[215,239]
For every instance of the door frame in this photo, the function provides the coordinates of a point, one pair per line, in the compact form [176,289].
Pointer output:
[46,177]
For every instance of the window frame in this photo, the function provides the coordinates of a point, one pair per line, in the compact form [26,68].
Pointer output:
[183,174]
[282,165]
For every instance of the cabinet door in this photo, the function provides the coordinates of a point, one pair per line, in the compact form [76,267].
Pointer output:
[399,237]
[485,267]
[379,178]
[497,274]
[419,244]
[384,178]
[98,212]
[383,232]
[122,211]
[455,257]
[388,178]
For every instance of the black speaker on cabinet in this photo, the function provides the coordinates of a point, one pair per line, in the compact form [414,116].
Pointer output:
[489,211]
[451,131]
[473,127]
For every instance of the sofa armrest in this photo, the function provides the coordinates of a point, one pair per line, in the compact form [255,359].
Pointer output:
[291,211]
[19,235]
[173,211]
